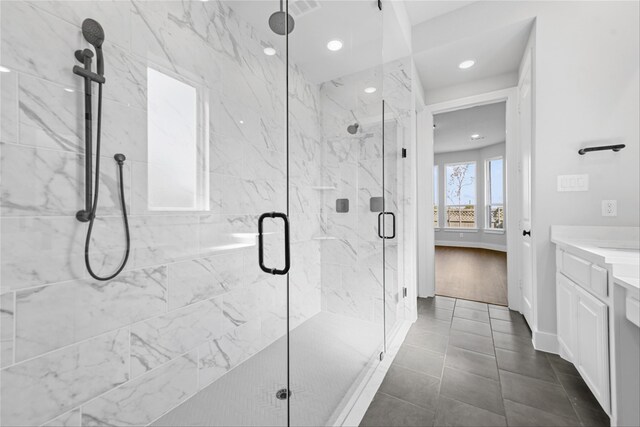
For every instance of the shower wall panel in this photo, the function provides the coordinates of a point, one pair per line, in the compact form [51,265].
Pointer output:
[192,303]
[352,258]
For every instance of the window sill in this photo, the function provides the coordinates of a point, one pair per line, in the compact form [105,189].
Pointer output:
[493,231]
[460,230]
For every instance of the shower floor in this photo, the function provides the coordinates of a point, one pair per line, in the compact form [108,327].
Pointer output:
[329,354]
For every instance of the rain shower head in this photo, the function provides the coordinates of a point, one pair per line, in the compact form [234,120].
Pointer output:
[94,34]
[353,129]
[281,22]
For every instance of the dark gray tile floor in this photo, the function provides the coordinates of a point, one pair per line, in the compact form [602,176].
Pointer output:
[466,363]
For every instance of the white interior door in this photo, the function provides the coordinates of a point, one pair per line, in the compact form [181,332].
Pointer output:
[524,169]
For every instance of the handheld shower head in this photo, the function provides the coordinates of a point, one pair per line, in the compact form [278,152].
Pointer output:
[353,129]
[94,34]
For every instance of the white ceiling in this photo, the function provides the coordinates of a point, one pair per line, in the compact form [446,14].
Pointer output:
[360,25]
[453,130]
[423,10]
[495,52]
[357,23]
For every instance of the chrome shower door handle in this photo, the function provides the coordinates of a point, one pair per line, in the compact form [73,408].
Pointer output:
[287,255]
[393,217]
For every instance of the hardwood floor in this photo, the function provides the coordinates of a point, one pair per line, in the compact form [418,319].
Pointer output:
[472,274]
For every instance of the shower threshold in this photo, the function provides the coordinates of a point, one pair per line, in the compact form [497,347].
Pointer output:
[330,355]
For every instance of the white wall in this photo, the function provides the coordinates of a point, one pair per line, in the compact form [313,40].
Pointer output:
[476,87]
[586,93]
[477,238]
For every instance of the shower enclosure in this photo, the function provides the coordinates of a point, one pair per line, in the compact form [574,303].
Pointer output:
[267,231]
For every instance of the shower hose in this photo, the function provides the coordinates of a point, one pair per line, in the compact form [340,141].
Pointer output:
[120,160]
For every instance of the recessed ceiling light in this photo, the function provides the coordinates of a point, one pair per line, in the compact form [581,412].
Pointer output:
[466,64]
[68,89]
[241,122]
[476,136]
[370,89]
[335,45]
[4,69]
[269,51]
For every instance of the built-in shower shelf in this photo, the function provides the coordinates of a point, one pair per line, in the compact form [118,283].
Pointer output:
[324,188]
[324,238]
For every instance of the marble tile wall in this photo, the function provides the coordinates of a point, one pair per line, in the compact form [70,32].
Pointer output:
[192,303]
[352,262]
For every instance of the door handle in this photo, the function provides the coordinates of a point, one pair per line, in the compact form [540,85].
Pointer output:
[393,217]
[287,256]
[526,233]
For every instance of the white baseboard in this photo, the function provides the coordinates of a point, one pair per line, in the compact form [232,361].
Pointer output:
[479,245]
[545,341]
[368,390]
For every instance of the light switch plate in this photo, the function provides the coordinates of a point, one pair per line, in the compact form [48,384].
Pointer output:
[573,182]
[609,208]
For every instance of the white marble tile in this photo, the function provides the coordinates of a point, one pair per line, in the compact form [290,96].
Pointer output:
[161,339]
[160,32]
[221,355]
[29,48]
[50,182]
[40,182]
[162,239]
[203,278]
[240,306]
[124,130]
[352,304]
[146,398]
[226,154]
[6,329]
[59,243]
[53,239]
[113,16]
[237,121]
[227,233]
[53,316]
[70,419]
[40,389]
[241,196]
[51,114]
[9,107]
[126,78]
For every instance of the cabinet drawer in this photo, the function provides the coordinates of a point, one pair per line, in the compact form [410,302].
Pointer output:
[632,309]
[599,280]
[577,269]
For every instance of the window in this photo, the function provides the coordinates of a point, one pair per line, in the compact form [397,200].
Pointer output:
[494,193]
[177,149]
[435,197]
[460,195]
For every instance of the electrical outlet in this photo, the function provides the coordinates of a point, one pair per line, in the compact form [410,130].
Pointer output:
[609,208]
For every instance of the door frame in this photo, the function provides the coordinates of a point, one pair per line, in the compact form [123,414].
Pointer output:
[426,264]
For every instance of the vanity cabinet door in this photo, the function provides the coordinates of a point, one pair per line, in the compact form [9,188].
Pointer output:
[592,350]
[566,300]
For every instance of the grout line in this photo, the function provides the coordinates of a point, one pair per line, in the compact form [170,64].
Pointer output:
[406,401]
[128,326]
[15,327]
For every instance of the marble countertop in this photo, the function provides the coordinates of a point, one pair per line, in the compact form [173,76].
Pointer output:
[617,247]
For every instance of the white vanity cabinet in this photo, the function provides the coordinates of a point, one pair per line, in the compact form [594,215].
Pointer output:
[592,345]
[583,327]
[566,300]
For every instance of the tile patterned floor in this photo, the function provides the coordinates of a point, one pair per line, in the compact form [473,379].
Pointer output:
[465,363]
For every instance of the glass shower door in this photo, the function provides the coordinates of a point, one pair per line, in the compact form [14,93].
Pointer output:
[336,330]
[241,63]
